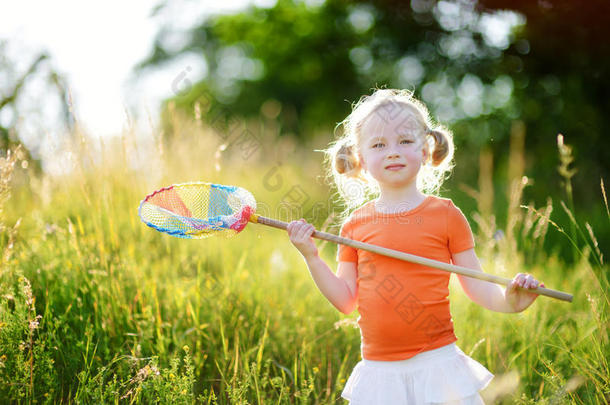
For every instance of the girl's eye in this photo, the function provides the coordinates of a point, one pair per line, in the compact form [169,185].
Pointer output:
[406,141]
[377,145]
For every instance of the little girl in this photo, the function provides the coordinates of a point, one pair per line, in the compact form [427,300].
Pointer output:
[391,149]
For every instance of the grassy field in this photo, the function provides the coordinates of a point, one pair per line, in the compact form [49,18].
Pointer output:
[97,308]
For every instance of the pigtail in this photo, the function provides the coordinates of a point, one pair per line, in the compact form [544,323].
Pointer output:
[344,169]
[345,158]
[442,148]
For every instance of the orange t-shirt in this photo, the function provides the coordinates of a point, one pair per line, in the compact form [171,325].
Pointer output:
[403,306]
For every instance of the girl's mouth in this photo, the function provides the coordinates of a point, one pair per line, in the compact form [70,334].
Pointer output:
[394,167]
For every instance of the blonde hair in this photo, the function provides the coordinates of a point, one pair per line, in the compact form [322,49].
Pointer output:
[355,186]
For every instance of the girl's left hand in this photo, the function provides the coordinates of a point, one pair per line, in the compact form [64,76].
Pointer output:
[521,299]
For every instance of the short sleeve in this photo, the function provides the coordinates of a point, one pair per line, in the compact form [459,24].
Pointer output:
[347,253]
[459,232]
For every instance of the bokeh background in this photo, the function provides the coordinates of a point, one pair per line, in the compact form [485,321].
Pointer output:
[95,307]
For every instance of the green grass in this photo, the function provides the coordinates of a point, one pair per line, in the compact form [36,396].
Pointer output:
[97,308]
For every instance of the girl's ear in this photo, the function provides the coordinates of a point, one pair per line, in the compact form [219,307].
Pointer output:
[361,160]
[425,150]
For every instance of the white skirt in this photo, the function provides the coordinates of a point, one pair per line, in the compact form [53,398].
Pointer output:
[440,376]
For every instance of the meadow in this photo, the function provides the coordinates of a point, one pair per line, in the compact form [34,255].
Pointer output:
[95,307]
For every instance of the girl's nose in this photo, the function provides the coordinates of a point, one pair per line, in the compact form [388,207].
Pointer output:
[392,153]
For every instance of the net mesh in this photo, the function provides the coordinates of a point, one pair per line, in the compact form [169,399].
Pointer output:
[198,210]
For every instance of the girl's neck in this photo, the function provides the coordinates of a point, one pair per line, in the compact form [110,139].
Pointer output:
[393,200]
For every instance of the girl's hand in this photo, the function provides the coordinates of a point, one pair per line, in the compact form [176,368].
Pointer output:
[521,299]
[300,236]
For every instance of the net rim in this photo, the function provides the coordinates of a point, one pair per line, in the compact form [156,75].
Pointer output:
[179,233]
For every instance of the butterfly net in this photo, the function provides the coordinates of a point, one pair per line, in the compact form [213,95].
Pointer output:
[198,210]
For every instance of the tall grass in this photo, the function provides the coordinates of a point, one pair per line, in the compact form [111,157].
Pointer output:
[97,308]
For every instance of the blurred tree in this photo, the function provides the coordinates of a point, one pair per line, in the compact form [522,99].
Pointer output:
[290,56]
[308,60]
[560,61]
[13,89]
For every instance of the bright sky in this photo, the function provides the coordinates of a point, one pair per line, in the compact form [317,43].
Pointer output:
[96,44]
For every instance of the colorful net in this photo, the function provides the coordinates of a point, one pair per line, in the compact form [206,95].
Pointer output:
[198,210]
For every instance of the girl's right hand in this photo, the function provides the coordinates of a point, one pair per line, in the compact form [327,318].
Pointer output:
[300,236]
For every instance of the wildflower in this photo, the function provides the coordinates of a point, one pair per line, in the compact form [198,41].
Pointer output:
[144,373]
[35,322]
[155,370]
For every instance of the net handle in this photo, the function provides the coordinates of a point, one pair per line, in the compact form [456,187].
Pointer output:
[414,259]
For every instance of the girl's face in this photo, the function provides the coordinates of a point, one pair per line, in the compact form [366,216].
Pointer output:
[392,147]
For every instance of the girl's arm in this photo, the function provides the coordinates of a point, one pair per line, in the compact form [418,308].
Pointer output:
[340,289]
[493,296]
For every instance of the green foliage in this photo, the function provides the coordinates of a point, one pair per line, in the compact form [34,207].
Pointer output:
[26,363]
[146,385]
[97,308]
